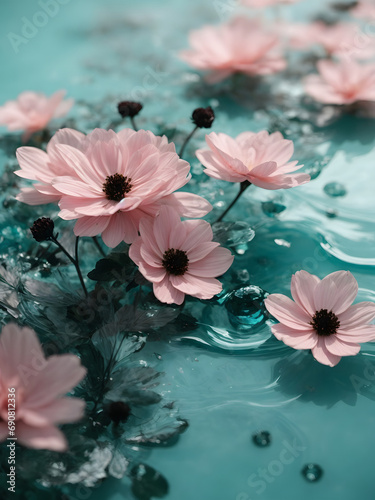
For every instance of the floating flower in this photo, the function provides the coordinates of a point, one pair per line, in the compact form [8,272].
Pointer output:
[260,4]
[114,180]
[38,386]
[240,46]
[33,111]
[343,82]
[340,39]
[179,257]
[259,158]
[321,318]
[38,165]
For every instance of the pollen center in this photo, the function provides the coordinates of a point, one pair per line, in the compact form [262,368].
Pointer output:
[116,186]
[325,322]
[175,262]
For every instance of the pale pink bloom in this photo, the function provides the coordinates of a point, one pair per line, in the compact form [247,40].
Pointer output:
[260,4]
[321,318]
[341,39]
[259,158]
[364,10]
[240,46]
[40,386]
[179,257]
[110,181]
[41,166]
[33,111]
[343,82]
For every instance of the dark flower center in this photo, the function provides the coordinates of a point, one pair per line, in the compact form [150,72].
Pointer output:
[119,411]
[325,322]
[175,261]
[129,108]
[116,186]
[203,117]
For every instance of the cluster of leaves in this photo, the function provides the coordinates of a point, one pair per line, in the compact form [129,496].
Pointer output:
[125,414]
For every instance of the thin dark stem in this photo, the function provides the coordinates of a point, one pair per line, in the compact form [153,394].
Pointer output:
[187,140]
[73,260]
[97,244]
[243,186]
[78,268]
[133,123]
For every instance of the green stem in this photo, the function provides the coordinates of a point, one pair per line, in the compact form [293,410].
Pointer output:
[73,260]
[97,244]
[243,186]
[187,140]
[133,123]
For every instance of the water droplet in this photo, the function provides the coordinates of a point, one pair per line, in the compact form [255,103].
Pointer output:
[331,214]
[232,234]
[158,356]
[271,209]
[262,439]
[282,243]
[312,472]
[335,189]
[245,306]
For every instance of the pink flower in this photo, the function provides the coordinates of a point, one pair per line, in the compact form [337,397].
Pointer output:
[260,158]
[43,167]
[240,46]
[339,39]
[110,181]
[39,386]
[364,10]
[179,257]
[343,82]
[321,318]
[32,111]
[259,4]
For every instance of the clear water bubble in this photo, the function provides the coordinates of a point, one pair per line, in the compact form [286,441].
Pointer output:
[272,209]
[335,189]
[245,306]
[262,439]
[232,234]
[312,472]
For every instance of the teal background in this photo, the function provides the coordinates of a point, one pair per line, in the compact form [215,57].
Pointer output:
[104,51]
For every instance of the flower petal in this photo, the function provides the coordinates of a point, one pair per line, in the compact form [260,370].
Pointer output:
[302,289]
[287,312]
[323,355]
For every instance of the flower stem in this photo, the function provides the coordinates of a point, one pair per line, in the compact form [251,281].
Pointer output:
[187,140]
[73,260]
[133,123]
[97,244]
[243,186]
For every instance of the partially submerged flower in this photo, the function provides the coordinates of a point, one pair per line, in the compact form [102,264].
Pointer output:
[260,4]
[259,158]
[343,82]
[110,181]
[240,46]
[179,257]
[39,386]
[322,317]
[33,111]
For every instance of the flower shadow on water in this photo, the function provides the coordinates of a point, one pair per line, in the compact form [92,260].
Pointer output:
[300,374]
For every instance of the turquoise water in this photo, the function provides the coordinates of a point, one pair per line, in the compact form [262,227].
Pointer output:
[226,381]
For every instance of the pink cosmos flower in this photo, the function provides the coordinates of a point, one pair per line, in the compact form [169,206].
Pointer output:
[41,166]
[340,40]
[179,257]
[259,158]
[110,181]
[39,386]
[364,10]
[240,46]
[259,4]
[321,318]
[32,111]
[343,82]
